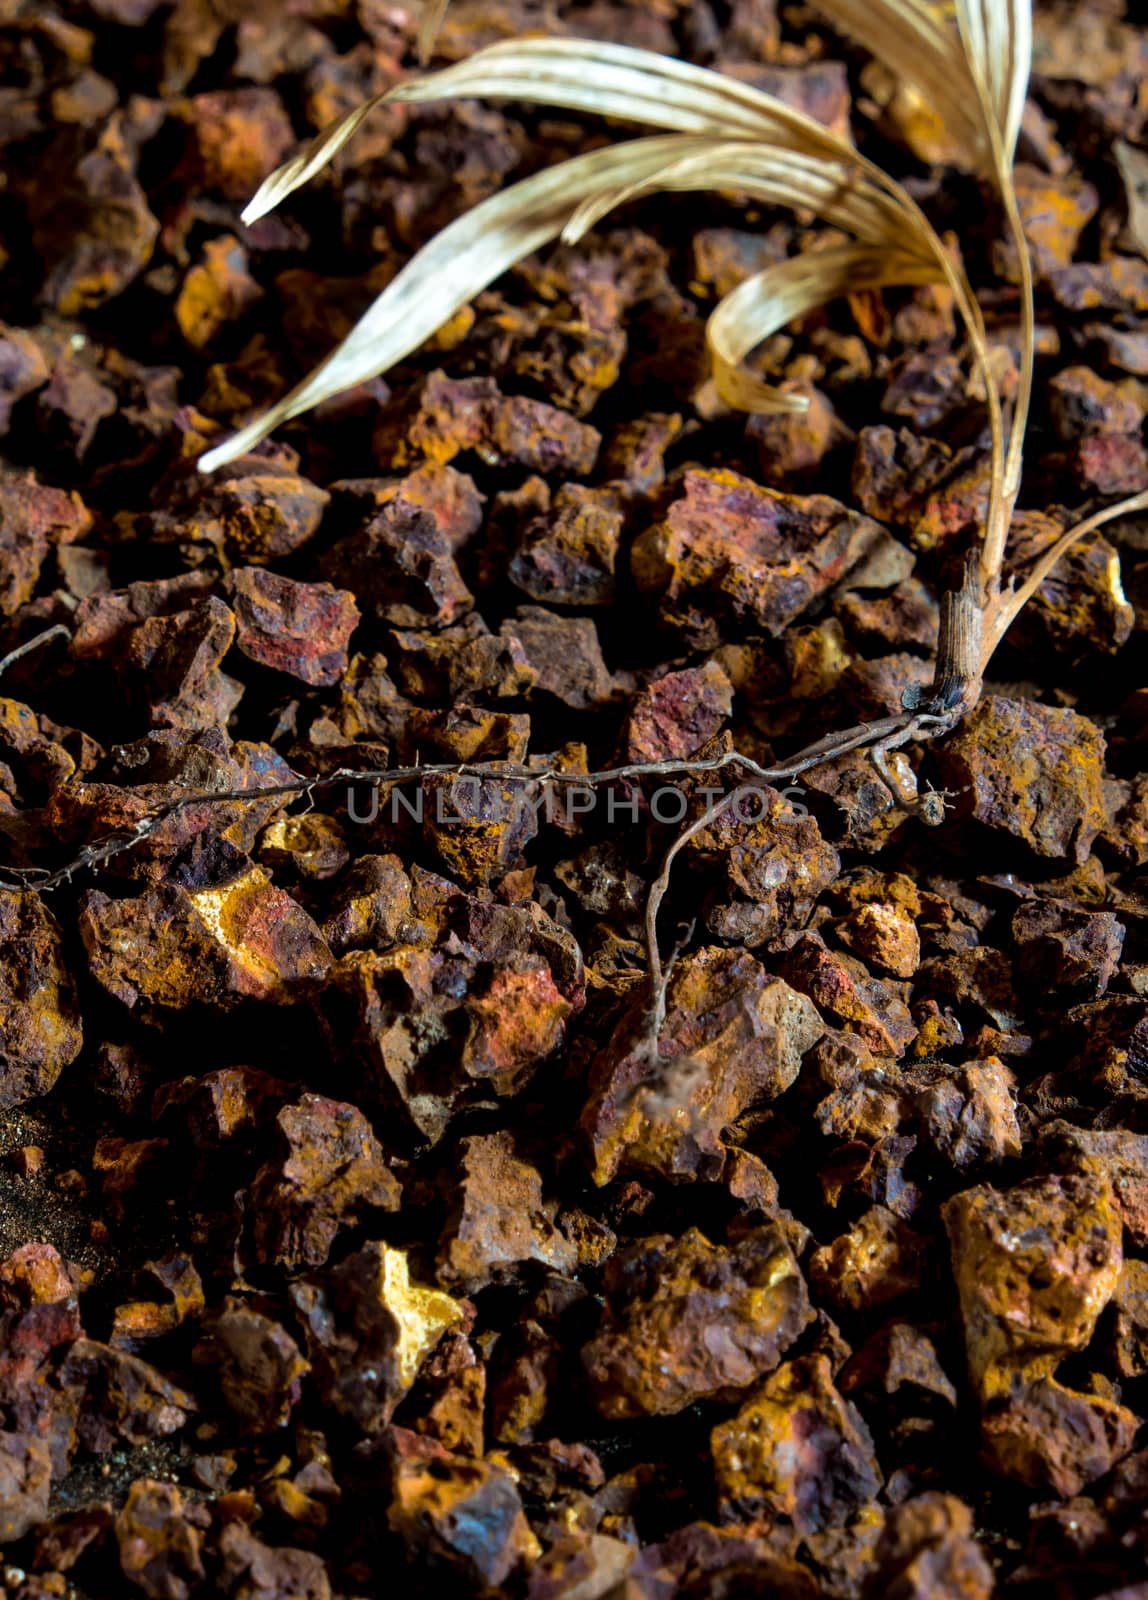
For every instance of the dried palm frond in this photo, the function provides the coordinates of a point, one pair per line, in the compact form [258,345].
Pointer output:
[729,136]
[726,135]
[785,291]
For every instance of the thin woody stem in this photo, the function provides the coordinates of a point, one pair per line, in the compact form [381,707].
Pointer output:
[114,844]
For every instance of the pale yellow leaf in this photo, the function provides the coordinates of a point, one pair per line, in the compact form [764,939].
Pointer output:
[1133,166]
[767,301]
[610,80]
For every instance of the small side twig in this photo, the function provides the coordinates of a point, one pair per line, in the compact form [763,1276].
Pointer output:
[56,631]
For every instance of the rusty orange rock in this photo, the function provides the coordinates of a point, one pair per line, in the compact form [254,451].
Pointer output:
[685,1319]
[730,556]
[175,947]
[1031,772]
[40,1029]
[332,1174]
[797,1449]
[879,1260]
[733,1036]
[1035,1266]
[498,1219]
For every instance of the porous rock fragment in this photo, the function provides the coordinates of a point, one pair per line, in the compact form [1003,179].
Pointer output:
[840,987]
[685,1319]
[678,713]
[1116,1155]
[252,1570]
[368,1330]
[90,221]
[298,628]
[967,1113]
[456,1514]
[401,563]
[1064,950]
[40,1028]
[733,1036]
[256,1363]
[258,513]
[563,654]
[796,1449]
[1035,1266]
[1030,772]
[445,416]
[498,1219]
[877,1261]
[333,1170]
[25,1484]
[1054,1440]
[927,1552]
[730,557]
[567,554]
[763,863]
[34,516]
[160,1541]
[122,1397]
[173,947]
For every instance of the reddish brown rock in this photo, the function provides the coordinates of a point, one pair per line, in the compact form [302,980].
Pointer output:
[446,416]
[797,1450]
[1054,1441]
[498,1219]
[884,936]
[23,369]
[1110,464]
[968,1113]
[90,221]
[368,1330]
[567,555]
[122,1399]
[160,1541]
[1118,284]
[1116,1155]
[878,1261]
[298,628]
[33,517]
[1082,403]
[401,563]
[235,137]
[40,1031]
[25,1484]
[1035,1266]
[174,661]
[1064,951]
[563,654]
[457,1515]
[730,556]
[678,713]
[258,513]
[840,987]
[685,1319]
[763,863]
[332,1174]
[733,1036]
[372,901]
[252,1570]
[175,947]
[927,1552]
[256,1363]
[1030,772]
